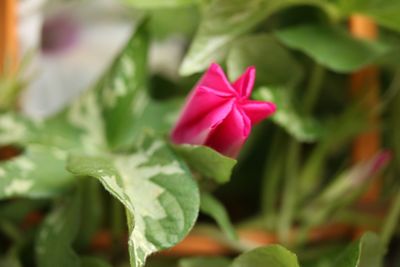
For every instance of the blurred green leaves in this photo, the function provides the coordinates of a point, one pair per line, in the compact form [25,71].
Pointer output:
[332,47]
[365,252]
[222,22]
[303,128]
[274,64]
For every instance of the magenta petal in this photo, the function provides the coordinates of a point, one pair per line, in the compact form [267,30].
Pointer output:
[244,84]
[215,79]
[258,110]
[230,135]
[203,112]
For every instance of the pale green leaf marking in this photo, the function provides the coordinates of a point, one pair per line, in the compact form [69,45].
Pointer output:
[38,172]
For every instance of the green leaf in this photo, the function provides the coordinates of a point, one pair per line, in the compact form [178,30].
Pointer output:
[159,3]
[203,262]
[212,207]
[274,255]
[157,190]
[14,129]
[384,12]
[272,61]
[225,20]
[347,55]
[121,89]
[207,161]
[366,252]
[38,172]
[54,243]
[222,22]
[303,128]
[158,116]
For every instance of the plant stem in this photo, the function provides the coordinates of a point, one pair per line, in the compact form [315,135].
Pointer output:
[313,88]
[272,172]
[289,194]
[391,222]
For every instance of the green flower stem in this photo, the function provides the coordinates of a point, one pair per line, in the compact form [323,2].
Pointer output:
[289,194]
[293,160]
[270,183]
[313,88]
[391,222]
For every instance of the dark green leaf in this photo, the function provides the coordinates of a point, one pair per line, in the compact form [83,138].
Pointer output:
[302,128]
[366,252]
[272,61]
[207,161]
[274,255]
[212,207]
[157,190]
[346,55]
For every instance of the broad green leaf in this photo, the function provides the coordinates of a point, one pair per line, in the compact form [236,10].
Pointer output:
[366,252]
[274,255]
[212,207]
[204,262]
[38,172]
[160,196]
[121,90]
[159,3]
[346,55]
[302,128]
[225,20]
[272,61]
[384,12]
[57,233]
[207,161]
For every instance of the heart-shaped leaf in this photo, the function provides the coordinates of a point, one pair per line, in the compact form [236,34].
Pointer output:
[160,196]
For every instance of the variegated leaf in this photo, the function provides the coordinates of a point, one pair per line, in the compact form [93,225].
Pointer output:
[38,172]
[160,196]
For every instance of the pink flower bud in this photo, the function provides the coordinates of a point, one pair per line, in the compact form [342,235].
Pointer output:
[219,114]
